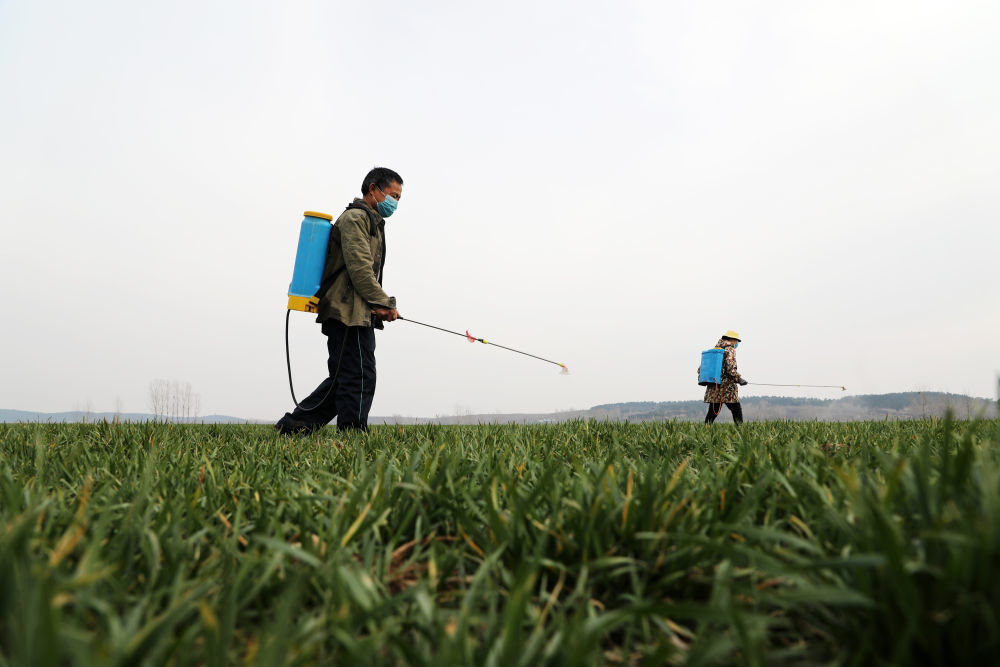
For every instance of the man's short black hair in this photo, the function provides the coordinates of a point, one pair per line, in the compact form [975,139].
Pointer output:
[381,177]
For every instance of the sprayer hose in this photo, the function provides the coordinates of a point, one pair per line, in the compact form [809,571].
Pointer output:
[288,362]
[288,359]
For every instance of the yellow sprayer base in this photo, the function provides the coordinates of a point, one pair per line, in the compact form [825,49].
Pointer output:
[307,304]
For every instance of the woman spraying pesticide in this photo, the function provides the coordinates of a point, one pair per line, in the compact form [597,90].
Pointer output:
[720,378]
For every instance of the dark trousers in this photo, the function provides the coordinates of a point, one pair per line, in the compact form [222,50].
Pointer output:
[348,391]
[715,408]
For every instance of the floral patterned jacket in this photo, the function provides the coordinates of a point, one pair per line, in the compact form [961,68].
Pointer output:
[728,391]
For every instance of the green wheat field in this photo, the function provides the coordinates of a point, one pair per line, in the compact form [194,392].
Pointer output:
[581,543]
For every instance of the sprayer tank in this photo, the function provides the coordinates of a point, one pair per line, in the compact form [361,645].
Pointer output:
[711,366]
[310,258]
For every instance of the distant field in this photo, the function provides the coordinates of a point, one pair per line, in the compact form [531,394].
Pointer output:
[574,544]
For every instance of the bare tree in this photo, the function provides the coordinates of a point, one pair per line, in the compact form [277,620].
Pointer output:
[172,410]
[173,400]
[159,397]
[185,400]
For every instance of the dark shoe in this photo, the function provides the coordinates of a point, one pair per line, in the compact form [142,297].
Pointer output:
[288,425]
[363,428]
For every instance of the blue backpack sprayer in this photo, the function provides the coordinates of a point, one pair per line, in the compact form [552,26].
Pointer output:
[310,258]
[711,367]
[303,291]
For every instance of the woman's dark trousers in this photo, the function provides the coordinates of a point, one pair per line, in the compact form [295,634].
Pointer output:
[715,408]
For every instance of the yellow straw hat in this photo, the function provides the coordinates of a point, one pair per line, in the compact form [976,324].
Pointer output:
[735,335]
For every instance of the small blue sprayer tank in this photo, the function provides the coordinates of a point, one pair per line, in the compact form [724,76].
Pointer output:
[309,260]
[711,366]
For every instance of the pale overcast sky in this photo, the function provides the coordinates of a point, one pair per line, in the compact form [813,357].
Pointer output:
[608,184]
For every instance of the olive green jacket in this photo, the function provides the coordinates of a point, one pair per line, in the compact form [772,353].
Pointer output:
[352,276]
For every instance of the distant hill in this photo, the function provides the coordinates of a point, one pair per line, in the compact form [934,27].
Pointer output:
[906,405]
[80,416]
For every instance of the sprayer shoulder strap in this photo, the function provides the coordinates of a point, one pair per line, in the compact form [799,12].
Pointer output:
[372,227]
[372,230]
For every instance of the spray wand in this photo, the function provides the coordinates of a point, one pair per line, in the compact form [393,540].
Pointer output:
[826,386]
[472,339]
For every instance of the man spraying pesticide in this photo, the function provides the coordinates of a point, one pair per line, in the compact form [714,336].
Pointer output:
[349,303]
[338,276]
